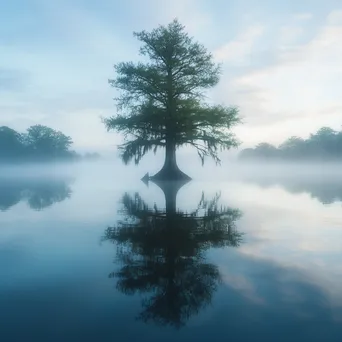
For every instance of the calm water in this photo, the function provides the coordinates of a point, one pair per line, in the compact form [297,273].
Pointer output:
[86,258]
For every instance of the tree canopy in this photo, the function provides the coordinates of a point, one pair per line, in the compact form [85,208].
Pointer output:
[42,140]
[325,144]
[38,143]
[161,100]
[11,144]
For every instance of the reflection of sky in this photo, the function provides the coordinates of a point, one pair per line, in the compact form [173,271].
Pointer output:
[285,277]
[293,231]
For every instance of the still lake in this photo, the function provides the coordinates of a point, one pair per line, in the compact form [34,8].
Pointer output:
[86,256]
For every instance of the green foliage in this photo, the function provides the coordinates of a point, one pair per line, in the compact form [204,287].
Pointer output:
[325,144]
[11,144]
[42,140]
[161,101]
[162,252]
[39,143]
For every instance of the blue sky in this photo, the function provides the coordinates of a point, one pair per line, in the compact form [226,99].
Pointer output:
[282,61]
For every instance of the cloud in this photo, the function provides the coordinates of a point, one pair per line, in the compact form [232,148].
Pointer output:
[335,17]
[297,93]
[303,16]
[189,12]
[13,80]
[284,231]
[290,34]
[240,50]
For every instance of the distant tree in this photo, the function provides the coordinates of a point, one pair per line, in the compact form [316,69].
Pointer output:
[325,144]
[38,143]
[293,147]
[291,143]
[324,134]
[265,150]
[247,153]
[46,142]
[11,144]
[161,102]
[92,156]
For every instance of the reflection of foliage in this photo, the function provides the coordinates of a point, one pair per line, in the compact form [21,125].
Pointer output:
[43,195]
[10,194]
[162,253]
[327,190]
[39,194]
[325,144]
[185,291]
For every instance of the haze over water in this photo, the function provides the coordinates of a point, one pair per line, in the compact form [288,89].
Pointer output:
[275,275]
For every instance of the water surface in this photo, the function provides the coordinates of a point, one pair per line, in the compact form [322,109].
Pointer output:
[88,258]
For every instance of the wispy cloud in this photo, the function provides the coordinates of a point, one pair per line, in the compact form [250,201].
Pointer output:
[240,50]
[303,16]
[280,67]
[13,80]
[290,34]
[335,17]
[294,95]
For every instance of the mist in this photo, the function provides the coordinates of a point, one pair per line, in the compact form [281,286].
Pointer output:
[230,168]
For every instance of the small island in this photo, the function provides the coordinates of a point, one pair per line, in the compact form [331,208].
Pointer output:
[324,145]
[38,144]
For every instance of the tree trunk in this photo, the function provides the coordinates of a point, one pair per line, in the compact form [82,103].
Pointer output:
[170,171]
[170,190]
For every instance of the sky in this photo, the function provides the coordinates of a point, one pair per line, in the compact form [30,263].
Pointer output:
[281,62]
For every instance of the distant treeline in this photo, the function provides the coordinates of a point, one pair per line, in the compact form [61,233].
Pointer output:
[325,144]
[38,144]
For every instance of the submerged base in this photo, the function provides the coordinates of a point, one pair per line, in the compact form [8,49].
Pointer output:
[170,175]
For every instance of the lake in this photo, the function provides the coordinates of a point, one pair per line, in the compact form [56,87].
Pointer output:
[88,256]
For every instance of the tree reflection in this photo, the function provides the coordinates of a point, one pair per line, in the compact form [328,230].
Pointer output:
[10,194]
[162,252]
[326,190]
[38,193]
